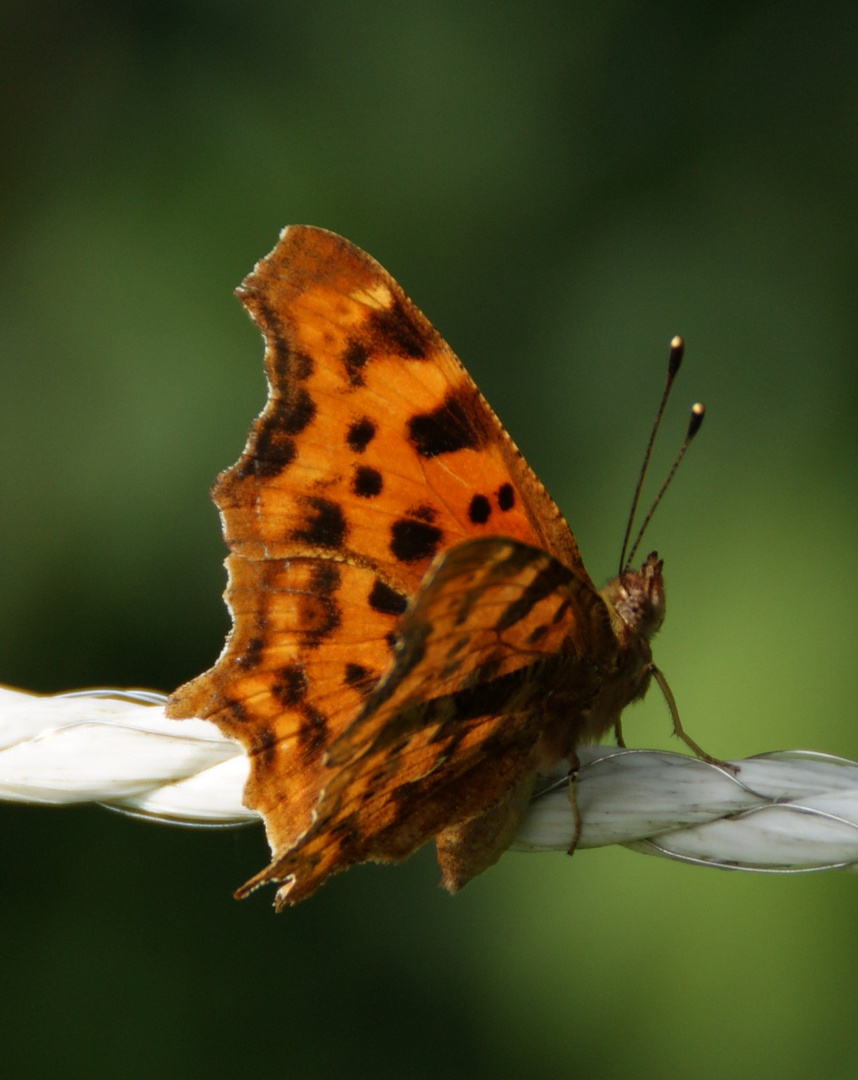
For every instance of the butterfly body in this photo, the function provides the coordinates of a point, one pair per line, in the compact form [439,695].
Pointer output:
[414,634]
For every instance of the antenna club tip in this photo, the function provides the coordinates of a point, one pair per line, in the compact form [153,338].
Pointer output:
[698,411]
[677,349]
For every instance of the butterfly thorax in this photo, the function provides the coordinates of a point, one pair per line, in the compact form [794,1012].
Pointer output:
[635,604]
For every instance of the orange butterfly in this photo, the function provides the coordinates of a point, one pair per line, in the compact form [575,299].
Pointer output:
[415,636]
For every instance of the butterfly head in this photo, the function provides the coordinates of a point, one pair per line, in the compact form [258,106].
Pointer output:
[637,598]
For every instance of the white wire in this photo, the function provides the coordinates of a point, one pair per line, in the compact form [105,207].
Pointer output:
[116,747]
[788,811]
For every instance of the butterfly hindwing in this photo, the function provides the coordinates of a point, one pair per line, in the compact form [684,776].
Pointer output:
[493,656]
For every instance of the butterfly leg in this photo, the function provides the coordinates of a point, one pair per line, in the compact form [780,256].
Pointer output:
[574,765]
[618,733]
[678,729]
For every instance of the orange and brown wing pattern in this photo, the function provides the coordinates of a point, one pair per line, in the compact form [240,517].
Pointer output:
[374,453]
[375,446]
[494,662]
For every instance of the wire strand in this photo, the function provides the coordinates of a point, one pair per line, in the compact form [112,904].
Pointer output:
[787,812]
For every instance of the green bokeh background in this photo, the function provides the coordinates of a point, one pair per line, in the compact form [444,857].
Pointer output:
[561,187]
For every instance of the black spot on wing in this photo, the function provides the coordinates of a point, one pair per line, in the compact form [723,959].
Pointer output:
[293,413]
[479,510]
[385,600]
[278,354]
[292,406]
[354,359]
[252,653]
[325,579]
[291,685]
[506,497]
[285,363]
[235,711]
[360,678]
[319,613]
[324,526]
[366,482]
[302,365]
[269,452]
[313,731]
[279,360]
[360,434]
[263,744]
[454,425]
[411,541]
[396,330]
[356,673]
[289,412]
[319,618]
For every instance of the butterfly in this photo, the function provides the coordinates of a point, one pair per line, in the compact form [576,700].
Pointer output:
[415,638]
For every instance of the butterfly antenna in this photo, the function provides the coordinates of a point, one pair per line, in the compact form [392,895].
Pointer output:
[677,349]
[697,413]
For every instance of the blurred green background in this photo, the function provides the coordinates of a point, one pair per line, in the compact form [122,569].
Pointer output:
[561,187]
